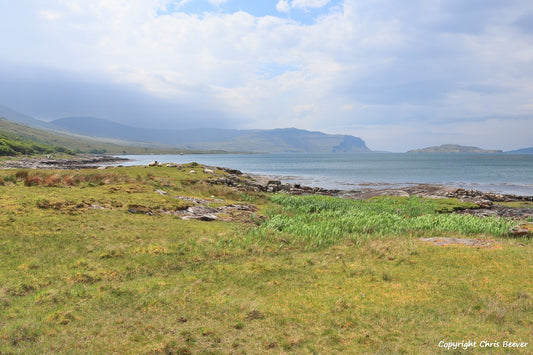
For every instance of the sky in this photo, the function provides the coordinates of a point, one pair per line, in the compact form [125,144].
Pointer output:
[399,74]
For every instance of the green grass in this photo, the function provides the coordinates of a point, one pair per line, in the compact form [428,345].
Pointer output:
[301,275]
[519,204]
[318,221]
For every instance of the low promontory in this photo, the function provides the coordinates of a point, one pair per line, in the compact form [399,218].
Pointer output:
[453,148]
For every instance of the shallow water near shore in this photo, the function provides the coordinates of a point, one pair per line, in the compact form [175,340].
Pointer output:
[501,173]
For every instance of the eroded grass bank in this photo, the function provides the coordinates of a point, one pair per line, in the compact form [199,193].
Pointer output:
[98,262]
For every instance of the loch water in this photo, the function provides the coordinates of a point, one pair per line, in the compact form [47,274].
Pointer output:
[502,173]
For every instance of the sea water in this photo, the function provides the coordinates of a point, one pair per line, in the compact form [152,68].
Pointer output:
[502,173]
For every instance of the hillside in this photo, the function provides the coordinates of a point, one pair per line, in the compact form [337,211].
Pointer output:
[453,148]
[98,135]
[12,145]
[76,143]
[274,141]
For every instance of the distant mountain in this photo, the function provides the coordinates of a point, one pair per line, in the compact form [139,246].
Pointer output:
[98,127]
[91,132]
[273,141]
[453,148]
[521,151]
[13,115]
[46,141]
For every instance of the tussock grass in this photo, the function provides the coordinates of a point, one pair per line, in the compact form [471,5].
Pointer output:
[318,221]
[308,275]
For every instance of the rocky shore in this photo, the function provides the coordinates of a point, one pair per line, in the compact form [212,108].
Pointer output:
[75,162]
[265,184]
[488,202]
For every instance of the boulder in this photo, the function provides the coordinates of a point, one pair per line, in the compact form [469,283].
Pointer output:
[201,213]
[523,230]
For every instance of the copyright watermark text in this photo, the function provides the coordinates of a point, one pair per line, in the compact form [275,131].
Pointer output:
[465,345]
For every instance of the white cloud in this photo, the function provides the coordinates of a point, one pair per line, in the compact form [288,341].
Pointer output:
[176,4]
[362,64]
[286,5]
[304,109]
[283,6]
[304,4]
[50,15]
[217,2]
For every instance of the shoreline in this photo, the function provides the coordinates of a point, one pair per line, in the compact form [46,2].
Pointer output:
[394,186]
[427,190]
[368,190]
[489,204]
[349,172]
[84,161]
[273,183]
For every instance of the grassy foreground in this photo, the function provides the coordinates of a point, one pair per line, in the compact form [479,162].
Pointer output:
[96,262]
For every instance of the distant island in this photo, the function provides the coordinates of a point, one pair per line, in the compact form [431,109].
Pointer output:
[453,148]
[522,151]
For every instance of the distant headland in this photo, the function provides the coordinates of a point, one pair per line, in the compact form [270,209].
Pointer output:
[454,148]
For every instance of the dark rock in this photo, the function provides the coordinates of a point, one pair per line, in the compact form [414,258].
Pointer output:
[285,187]
[523,230]
[483,203]
[140,211]
[199,212]
[230,171]
[501,211]
[204,213]
[192,199]
[205,217]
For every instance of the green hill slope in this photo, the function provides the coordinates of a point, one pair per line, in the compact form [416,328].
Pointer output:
[12,145]
[17,138]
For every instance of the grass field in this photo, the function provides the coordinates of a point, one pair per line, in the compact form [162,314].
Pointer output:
[97,262]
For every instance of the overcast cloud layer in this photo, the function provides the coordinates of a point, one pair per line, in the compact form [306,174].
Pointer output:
[399,74]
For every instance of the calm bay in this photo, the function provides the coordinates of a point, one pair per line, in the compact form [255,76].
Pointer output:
[502,173]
